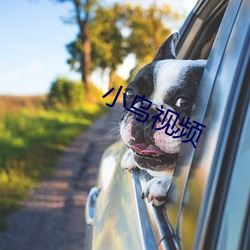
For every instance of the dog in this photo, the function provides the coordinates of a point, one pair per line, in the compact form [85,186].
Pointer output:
[171,84]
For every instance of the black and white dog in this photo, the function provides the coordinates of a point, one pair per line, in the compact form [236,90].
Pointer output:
[168,83]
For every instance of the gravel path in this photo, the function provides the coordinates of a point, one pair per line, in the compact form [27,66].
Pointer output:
[53,218]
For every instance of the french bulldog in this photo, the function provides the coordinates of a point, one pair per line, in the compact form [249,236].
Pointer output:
[169,83]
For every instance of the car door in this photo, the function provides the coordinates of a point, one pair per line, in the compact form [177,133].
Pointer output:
[125,216]
[122,219]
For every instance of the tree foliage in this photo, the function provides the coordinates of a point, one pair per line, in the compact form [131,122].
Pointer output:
[108,49]
[147,31]
[114,32]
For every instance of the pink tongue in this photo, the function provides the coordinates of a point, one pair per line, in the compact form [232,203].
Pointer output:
[145,149]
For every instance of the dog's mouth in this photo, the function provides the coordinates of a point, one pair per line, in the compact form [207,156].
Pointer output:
[151,157]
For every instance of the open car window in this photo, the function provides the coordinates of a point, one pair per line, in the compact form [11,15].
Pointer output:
[196,41]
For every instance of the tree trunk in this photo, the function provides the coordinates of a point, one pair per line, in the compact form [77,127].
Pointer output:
[86,45]
[86,57]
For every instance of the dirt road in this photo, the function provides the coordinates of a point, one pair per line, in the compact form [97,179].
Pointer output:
[53,218]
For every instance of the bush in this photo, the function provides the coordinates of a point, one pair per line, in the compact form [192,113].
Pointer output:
[65,92]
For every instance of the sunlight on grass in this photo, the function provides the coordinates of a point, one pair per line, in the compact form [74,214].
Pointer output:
[31,139]
[14,187]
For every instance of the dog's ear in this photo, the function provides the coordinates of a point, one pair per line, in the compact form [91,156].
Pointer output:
[167,49]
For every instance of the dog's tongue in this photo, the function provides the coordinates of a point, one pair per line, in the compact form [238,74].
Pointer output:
[145,149]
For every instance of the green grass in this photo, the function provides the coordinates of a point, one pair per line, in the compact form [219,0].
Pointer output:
[31,139]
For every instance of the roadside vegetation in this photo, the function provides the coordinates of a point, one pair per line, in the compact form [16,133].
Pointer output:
[34,131]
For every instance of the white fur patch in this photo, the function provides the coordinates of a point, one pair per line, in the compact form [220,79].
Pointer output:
[168,74]
[126,128]
[128,160]
[157,188]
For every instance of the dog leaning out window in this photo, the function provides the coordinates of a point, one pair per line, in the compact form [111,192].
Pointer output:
[170,85]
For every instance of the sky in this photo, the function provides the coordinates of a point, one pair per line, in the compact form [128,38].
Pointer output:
[32,44]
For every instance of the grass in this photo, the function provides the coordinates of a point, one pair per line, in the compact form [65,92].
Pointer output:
[31,139]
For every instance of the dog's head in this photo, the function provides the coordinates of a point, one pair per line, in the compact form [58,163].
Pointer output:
[168,83]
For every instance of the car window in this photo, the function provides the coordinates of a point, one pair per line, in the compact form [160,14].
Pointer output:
[178,222]
[203,24]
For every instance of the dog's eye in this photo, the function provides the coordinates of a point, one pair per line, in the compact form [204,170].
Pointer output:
[183,102]
[130,94]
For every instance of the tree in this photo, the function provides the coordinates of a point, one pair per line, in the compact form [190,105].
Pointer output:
[83,15]
[119,30]
[108,48]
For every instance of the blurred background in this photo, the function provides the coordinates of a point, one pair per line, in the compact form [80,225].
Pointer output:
[57,59]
